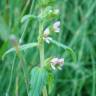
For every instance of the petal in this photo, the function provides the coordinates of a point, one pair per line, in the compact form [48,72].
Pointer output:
[47,39]
[53,67]
[46,32]
[56,24]
[57,30]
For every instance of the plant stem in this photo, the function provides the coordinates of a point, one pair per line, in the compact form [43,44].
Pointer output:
[41,54]
[41,51]
[41,44]
[11,76]
[45,91]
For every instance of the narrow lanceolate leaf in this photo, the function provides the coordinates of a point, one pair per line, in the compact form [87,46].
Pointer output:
[21,48]
[65,48]
[38,81]
[28,17]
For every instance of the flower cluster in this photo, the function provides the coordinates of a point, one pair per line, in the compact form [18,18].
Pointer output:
[57,63]
[55,27]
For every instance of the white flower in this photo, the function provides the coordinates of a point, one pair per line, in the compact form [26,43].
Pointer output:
[47,39]
[57,63]
[46,32]
[56,11]
[56,26]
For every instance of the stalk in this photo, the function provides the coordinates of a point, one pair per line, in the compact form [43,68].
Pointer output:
[41,44]
[41,51]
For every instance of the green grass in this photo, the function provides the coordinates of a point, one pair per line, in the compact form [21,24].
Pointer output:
[78,19]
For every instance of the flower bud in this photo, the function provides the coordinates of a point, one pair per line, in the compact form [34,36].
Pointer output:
[56,11]
[14,42]
[13,39]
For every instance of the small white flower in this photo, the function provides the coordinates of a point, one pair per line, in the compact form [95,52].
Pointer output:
[56,11]
[57,63]
[46,32]
[56,26]
[47,39]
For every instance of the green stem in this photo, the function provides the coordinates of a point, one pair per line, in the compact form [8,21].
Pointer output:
[41,44]
[11,76]
[41,51]
[45,91]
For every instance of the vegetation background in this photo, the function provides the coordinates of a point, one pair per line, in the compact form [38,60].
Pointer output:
[78,31]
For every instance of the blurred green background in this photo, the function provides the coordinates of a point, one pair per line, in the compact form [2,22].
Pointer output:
[78,31]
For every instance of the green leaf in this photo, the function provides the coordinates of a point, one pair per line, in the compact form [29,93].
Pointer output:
[38,81]
[23,47]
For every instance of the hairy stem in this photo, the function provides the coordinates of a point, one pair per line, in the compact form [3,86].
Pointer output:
[45,91]
[41,54]
[41,44]
[41,51]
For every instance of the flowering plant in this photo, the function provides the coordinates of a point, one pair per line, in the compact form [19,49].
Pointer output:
[42,77]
